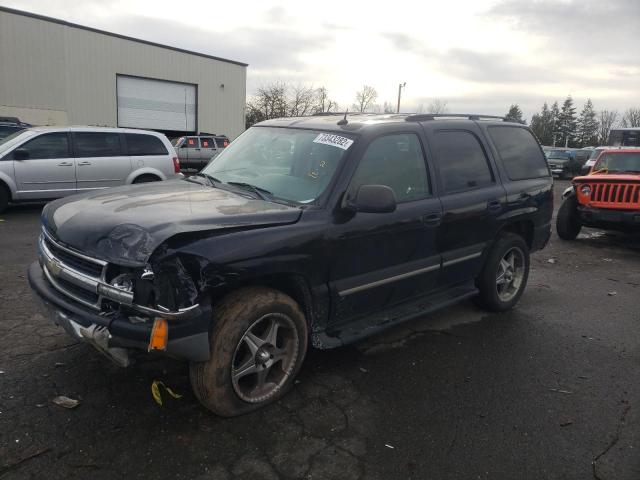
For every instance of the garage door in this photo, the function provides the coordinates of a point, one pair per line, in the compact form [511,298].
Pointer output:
[156,104]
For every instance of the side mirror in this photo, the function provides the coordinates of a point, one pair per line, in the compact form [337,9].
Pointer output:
[20,154]
[373,199]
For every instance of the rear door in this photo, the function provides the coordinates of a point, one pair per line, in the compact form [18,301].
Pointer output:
[148,151]
[191,149]
[101,160]
[472,200]
[49,171]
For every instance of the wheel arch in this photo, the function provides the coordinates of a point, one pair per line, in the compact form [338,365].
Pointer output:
[523,227]
[144,171]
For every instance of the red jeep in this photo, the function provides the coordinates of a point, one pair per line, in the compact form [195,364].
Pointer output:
[607,198]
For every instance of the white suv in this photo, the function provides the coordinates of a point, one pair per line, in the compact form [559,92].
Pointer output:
[43,163]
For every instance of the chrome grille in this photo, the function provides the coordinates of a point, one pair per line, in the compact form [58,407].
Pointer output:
[72,273]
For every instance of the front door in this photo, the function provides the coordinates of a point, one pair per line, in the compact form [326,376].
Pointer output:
[48,171]
[382,259]
[101,160]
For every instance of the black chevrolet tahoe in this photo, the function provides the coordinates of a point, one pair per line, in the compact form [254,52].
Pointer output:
[304,231]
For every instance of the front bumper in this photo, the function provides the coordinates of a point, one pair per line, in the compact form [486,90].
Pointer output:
[114,334]
[609,219]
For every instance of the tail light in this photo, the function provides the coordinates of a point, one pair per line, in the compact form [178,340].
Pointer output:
[176,165]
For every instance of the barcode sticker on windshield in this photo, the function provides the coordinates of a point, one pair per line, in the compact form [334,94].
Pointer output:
[333,140]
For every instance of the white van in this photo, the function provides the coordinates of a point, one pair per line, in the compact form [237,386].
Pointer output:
[43,163]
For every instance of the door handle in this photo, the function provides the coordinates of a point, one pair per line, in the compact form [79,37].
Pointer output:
[84,163]
[432,218]
[494,205]
[65,164]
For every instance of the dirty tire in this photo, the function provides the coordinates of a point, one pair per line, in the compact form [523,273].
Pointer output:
[4,198]
[568,223]
[489,298]
[212,381]
[146,179]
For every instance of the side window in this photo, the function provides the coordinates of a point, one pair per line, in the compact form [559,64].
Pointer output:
[96,144]
[519,152]
[396,161]
[206,142]
[462,162]
[49,145]
[138,144]
[222,142]
[192,142]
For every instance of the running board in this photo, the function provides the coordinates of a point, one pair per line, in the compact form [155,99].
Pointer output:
[340,335]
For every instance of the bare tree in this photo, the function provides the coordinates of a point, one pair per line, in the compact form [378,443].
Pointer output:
[606,121]
[269,101]
[631,118]
[437,106]
[302,101]
[323,103]
[365,98]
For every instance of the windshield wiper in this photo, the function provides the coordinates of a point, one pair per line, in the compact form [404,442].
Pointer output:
[211,180]
[262,193]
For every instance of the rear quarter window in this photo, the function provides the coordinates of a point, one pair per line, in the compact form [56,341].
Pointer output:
[139,145]
[519,152]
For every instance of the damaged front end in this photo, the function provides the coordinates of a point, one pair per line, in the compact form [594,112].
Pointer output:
[118,308]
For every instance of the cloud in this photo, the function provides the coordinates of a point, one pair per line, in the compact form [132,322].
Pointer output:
[587,30]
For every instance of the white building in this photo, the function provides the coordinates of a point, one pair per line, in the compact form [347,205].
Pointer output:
[54,72]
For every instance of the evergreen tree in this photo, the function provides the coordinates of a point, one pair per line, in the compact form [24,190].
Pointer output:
[546,121]
[587,131]
[555,124]
[537,127]
[514,114]
[567,122]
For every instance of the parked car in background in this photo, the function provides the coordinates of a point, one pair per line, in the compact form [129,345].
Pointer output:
[567,162]
[305,231]
[11,125]
[624,137]
[43,163]
[196,151]
[607,198]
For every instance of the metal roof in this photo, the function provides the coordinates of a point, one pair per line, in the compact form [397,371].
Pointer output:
[117,35]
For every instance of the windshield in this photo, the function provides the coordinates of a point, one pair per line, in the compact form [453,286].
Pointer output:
[559,154]
[6,137]
[619,162]
[291,164]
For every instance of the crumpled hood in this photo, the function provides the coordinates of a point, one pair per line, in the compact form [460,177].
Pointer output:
[124,225]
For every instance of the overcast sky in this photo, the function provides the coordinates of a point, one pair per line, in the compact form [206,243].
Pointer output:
[479,56]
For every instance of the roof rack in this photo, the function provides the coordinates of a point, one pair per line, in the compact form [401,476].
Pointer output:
[331,114]
[421,117]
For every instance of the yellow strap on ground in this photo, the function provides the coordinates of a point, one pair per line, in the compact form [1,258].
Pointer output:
[155,391]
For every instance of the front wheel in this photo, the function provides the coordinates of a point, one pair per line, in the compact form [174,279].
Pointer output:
[568,223]
[4,198]
[504,276]
[258,344]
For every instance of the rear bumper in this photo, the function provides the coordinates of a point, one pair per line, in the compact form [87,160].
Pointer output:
[115,335]
[610,219]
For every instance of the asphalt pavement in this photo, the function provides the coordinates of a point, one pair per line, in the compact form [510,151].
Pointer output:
[548,390]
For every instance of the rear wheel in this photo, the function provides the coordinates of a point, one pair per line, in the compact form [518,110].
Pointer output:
[504,276]
[258,344]
[568,223]
[4,198]
[146,178]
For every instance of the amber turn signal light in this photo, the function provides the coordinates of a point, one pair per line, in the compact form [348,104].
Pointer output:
[159,335]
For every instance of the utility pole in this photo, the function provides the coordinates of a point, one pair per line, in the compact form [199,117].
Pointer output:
[400,87]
